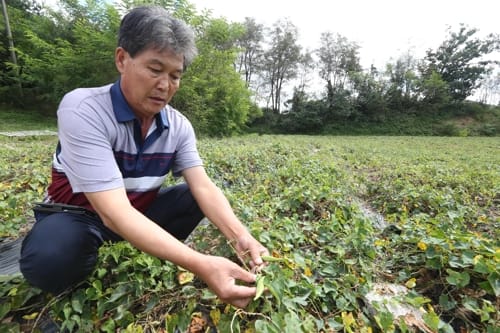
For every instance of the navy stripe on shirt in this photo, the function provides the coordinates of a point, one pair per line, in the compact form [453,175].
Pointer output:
[144,165]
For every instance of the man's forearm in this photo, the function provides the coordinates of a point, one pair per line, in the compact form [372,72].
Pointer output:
[141,232]
[217,209]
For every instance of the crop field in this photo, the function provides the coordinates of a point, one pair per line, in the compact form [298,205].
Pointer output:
[413,219]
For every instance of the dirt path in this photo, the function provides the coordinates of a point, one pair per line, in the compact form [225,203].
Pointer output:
[28,133]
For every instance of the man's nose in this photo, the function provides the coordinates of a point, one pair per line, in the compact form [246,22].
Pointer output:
[163,83]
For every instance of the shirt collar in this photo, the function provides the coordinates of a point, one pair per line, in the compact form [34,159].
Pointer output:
[124,113]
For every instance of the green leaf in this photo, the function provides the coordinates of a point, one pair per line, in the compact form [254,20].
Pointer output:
[264,326]
[432,320]
[101,272]
[293,323]
[4,309]
[446,303]
[494,280]
[109,326]
[260,287]
[118,293]
[67,310]
[471,304]
[481,267]
[385,320]
[457,279]
[77,305]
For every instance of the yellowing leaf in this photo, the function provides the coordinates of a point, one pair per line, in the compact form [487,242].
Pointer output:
[260,287]
[307,271]
[185,277]
[411,283]
[215,315]
[348,319]
[12,292]
[31,316]
[422,246]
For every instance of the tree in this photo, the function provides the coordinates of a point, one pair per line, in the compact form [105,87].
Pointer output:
[403,80]
[280,61]
[304,68]
[459,61]
[21,12]
[213,95]
[338,58]
[82,55]
[9,32]
[435,92]
[489,93]
[338,61]
[250,44]
[304,116]
[370,99]
[182,9]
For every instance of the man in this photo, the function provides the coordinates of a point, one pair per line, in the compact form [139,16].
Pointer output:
[116,145]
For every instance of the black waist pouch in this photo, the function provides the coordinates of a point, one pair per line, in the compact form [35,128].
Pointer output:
[50,208]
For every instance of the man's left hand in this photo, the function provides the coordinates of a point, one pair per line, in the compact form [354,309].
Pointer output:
[249,251]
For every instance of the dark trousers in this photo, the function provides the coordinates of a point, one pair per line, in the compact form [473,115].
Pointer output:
[61,249]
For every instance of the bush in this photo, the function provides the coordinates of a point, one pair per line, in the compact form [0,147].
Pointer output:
[488,130]
[447,129]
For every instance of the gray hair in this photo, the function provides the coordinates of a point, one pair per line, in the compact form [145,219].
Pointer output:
[152,27]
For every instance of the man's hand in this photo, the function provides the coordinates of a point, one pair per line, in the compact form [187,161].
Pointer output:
[221,274]
[249,251]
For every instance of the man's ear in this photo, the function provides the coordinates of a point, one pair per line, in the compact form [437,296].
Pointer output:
[120,58]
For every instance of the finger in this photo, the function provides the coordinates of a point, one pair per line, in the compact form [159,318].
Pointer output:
[256,257]
[241,303]
[240,296]
[243,275]
[240,292]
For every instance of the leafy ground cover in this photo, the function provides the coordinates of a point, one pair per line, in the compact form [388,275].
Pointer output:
[302,197]
[23,120]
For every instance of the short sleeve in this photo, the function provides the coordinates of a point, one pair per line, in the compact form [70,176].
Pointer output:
[86,154]
[187,155]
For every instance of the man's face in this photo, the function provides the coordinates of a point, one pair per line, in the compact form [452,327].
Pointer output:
[150,79]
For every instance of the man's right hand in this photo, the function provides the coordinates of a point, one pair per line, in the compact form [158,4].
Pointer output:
[221,274]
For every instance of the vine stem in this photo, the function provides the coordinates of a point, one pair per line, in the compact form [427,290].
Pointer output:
[243,312]
[240,256]
[46,307]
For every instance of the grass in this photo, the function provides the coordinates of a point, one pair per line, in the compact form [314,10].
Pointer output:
[23,120]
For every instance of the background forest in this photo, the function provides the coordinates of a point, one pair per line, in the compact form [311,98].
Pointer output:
[251,77]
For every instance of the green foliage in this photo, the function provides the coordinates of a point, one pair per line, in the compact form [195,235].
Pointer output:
[213,96]
[71,45]
[370,100]
[439,197]
[435,91]
[24,176]
[280,61]
[59,50]
[403,82]
[458,61]
[304,116]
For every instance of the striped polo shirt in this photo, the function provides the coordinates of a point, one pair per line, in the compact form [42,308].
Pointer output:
[100,148]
